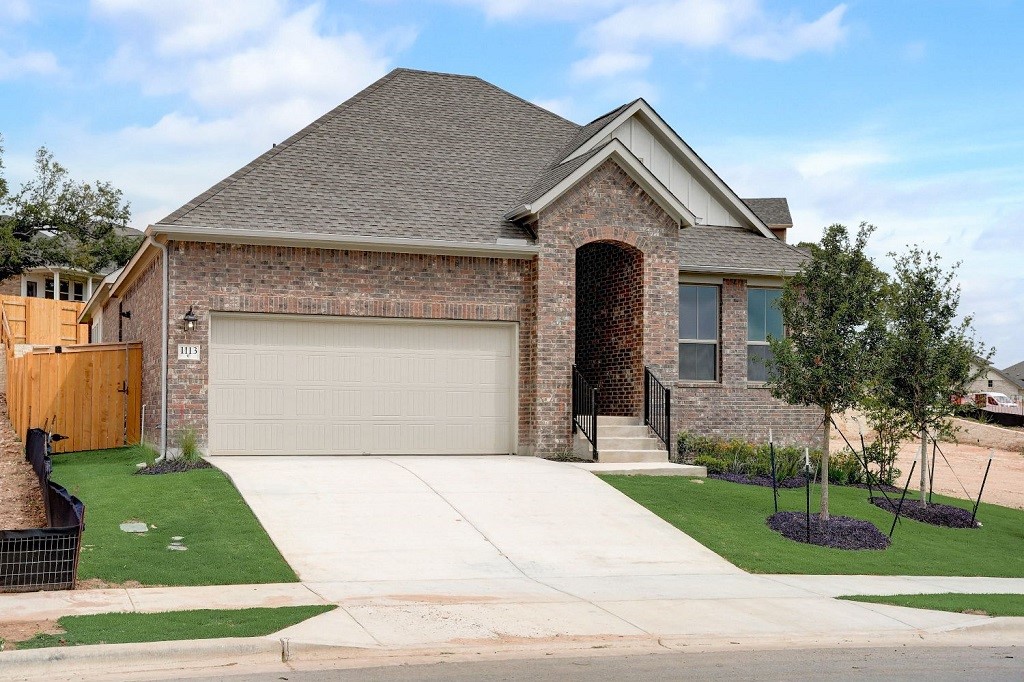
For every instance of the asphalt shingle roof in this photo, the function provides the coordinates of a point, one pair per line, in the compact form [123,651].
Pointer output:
[438,156]
[707,248]
[1016,372]
[415,155]
[774,211]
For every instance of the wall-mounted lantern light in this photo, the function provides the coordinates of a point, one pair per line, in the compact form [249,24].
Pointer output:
[190,320]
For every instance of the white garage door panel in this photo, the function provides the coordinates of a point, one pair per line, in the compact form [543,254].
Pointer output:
[300,385]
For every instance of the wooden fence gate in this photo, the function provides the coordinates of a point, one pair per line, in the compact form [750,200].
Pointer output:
[43,321]
[91,394]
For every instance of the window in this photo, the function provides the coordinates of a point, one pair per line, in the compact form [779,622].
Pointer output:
[698,332]
[49,288]
[65,290]
[78,291]
[991,383]
[31,289]
[764,320]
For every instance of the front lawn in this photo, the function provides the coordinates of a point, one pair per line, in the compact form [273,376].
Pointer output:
[226,544]
[983,604]
[119,628]
[729,518]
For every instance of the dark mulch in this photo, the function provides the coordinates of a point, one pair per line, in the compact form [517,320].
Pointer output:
[840,532]
[797,482]
[935,514]
[174,466]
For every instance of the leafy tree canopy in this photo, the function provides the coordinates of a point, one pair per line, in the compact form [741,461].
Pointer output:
[55,220]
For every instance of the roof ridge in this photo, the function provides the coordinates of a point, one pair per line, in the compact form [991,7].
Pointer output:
[276,149]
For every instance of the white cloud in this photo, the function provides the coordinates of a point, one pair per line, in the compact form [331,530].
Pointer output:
[14,11]
[841,159]
[608,64]
[563,106]
[27,64]
[739,26]
[557,9]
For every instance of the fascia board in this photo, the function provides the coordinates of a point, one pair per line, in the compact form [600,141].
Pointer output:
[224,235]
[666,131]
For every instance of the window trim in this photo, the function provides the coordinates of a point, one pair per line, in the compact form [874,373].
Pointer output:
[716,342]
[759,382]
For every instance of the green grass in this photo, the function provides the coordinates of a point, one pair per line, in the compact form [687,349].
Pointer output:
[987,604]
[226,544]
[729,518]
[118,628]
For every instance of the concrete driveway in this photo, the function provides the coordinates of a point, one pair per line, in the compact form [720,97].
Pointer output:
[493,551]
[457,518]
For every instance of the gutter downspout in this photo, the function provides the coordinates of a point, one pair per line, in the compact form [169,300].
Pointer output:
[163,350]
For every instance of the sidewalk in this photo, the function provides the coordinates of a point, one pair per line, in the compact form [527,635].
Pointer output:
[386,622]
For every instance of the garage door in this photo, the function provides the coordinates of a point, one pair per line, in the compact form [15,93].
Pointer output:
[284,384]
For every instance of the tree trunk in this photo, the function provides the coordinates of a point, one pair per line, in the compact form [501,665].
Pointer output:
[824,465]
[924,467]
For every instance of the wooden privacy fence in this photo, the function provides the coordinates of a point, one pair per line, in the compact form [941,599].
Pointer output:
[91,394]
[43,321]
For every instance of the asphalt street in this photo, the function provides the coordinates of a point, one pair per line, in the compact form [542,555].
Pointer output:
[936,664]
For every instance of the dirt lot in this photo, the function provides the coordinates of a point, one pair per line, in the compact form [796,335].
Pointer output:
[21,503]
[1005,483]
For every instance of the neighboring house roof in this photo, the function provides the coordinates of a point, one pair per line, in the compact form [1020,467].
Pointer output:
[736,250]
[774,211]
[1015,373]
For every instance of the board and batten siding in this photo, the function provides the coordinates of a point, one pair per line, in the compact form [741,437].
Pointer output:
[670,169]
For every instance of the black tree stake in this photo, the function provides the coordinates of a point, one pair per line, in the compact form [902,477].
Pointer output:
[978,501]
[900,508]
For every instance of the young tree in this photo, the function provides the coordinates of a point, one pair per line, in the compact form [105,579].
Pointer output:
[926,356]
[829,310]
[53,220]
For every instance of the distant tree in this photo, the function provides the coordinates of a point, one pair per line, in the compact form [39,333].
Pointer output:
[54,220]
[926,356]
[829,309]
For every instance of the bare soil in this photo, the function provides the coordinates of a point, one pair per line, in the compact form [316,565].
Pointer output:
[964,470]
[18,631]
[21,501]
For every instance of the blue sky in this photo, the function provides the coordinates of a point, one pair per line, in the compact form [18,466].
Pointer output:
[904,114]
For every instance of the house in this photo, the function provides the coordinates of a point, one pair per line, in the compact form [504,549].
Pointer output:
[993,380]
[65,284]
[420,269]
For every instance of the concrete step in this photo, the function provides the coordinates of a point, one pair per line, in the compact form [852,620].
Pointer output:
[623,431]
[643,469]
[621,456]
[643,443]
[604,420]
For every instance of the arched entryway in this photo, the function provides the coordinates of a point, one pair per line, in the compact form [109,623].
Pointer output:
[610,324]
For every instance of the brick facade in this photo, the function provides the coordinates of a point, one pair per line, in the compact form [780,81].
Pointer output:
[733,407]
[144,300]
[274,279]
[610,324]
[607,206]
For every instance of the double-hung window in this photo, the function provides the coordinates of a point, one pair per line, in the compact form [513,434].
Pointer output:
[698,332]
[764,320]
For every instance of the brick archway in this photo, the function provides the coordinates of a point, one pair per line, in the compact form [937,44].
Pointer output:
[610,323]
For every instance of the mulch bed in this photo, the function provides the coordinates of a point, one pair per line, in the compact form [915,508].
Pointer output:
[935,514]
[21,500]
[174,466]
[796,482]
[840,532]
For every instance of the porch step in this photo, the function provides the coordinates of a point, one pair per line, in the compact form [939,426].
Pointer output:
[603,420]
[623,456]
[605,431]
[644,442]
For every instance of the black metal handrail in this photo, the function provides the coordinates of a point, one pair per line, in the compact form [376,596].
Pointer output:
[584,408]
[658,408]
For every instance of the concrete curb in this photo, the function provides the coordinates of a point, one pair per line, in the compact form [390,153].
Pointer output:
[238,654]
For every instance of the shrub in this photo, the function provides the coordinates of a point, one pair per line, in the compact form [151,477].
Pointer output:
[738,456]
[714,464]
[188,444]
